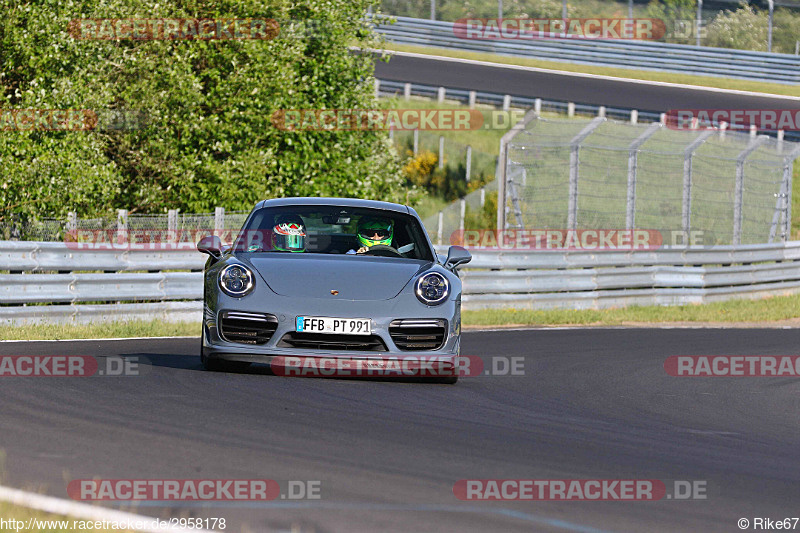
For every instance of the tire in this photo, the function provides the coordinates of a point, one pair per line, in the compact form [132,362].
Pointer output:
[450,380]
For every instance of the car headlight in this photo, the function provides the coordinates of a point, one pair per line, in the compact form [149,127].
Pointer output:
[432,288]
[236,280]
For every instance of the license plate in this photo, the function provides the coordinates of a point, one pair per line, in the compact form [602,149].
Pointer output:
[326,324]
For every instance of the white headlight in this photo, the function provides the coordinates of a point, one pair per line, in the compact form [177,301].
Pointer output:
[432,288]
[236,280]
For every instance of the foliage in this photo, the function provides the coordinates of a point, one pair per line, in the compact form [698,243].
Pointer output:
[745,29]
[208,138]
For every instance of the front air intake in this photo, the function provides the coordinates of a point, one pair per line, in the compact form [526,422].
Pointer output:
[247,328]
[417,334]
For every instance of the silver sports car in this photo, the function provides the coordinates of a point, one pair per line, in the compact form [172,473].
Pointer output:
[333,287]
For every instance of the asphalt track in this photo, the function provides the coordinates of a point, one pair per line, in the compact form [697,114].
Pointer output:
[592,404]
[539,83]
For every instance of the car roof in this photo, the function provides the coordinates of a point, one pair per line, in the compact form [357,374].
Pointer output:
[338,202]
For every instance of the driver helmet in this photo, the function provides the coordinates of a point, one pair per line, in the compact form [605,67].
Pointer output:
[289,234]
[373,231]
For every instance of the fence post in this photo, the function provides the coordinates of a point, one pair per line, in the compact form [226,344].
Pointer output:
[440,95]
[407,91]
[219,220]
[739,190]
[463,215]
[416,142]
[441,151]
[783,204]
[633,156]
[469,163]
[499,9]
[699,20]
[472,96]
[688,153]
[172,225]
[441,228]
[72,221]
[433,9]
[122,225]
[502,169]
[574,164]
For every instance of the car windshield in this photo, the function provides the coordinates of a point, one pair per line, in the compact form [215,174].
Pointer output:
[334,230]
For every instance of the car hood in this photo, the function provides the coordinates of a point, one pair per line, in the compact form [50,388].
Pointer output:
[315,276]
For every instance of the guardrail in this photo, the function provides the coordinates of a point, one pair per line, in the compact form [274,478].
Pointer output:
[645,55]
[170,288]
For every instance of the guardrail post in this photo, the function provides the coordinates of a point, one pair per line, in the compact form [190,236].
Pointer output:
[537,106]
[416,142]
[122,225]
[687,179]
[472,95]
[723,126]
[219,220]
[440,95]
[377,88]
[506,102]
[441,228]
[483,198]
[391,133]
[753,131]
[633,156]
[601,111]
[570,109]
[407,91]
[574,166]
[663,119]
[441,151]
[469,163]
[172,225]
[634,116]
[463,214]
[739,190]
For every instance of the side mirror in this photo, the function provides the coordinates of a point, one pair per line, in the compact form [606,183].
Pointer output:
[457,256]
[211,245]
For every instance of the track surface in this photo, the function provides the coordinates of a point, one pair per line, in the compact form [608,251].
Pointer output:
[592,404]
[567,87]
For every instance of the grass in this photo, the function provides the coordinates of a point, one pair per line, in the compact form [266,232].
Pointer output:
[24,514]
[687,79]
[766,310]
[134,328]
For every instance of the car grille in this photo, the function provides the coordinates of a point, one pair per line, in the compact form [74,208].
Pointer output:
[418,334]
[247,328]
[325,341]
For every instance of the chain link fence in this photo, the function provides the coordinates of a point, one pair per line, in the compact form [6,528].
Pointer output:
[173,226]
[733,187]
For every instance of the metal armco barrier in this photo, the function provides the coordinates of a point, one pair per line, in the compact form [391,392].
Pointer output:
[663,57]
[494,279]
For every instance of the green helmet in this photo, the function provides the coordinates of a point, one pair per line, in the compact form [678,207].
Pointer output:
[289,234]
[373,231]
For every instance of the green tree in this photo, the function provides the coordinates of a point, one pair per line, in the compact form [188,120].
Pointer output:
[208,138]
